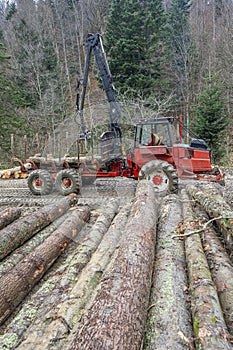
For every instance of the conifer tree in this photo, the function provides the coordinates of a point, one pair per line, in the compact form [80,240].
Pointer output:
[210,121]
[133,37]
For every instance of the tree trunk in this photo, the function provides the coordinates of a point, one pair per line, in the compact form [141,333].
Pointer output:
[221,269]
[20,231]
[216,206]
[208,323]
[69,311]
[8,215]
[116,320]
[40,306]
[92,273]
[222,272]
[20,280]
[18,254]
[168,322]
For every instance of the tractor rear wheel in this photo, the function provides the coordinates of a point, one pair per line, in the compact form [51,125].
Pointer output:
[67,182]
[40,182]
[162,174]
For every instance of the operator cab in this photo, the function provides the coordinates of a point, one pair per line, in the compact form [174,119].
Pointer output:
[153,132]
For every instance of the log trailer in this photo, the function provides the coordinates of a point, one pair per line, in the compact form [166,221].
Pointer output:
[161,161]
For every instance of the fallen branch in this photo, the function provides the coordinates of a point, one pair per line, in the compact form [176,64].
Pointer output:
[186,234]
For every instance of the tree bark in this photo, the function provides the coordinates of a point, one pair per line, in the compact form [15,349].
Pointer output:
[20,231]
[208,323]
[39,314]
[222,272]
[69,311]
[221,269]
[9,215]
[92,273]
[169,318]
[216,206]
[116,320]
[20,280]
[18,254]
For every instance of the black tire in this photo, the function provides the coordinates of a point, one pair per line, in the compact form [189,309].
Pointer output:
[40,182]
[162,174]
[67,182]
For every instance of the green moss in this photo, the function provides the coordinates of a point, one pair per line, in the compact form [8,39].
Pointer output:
[95,280]
[9,341]
[196,326]
[213,319]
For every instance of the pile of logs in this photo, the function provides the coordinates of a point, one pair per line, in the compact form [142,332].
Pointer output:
[13,173]
[152,273]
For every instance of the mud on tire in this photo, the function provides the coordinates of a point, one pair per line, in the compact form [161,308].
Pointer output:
[40,182]
[162,174]
[67,182]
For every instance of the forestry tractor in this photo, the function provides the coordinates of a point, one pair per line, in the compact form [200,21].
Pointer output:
[158,153]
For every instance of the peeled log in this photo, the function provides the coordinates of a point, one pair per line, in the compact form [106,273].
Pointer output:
[17,283]
[9,215]
[20,231]
[169,318]
[216,206]
[116,320]
[208,323]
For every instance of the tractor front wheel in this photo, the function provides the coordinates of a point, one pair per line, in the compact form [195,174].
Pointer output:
[40,182]
[67,182]
[162,174]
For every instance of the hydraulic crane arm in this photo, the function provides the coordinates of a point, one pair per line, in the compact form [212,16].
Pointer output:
[94,43]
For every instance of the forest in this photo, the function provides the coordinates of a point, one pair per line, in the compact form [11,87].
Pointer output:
[166,57]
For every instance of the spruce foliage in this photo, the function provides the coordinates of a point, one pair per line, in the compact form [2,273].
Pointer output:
[133,36]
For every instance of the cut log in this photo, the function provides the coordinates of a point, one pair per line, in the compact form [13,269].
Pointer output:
[116,320]
[221,269]
[7,173]
[9,215]
[20,231]
[68,312]
[208,323]
[215,205]
[19,281]
[18,254]
[169,319]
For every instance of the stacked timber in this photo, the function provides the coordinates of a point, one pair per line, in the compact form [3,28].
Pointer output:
[13,173]
[116,319]
[217,208]
[14,235]
[149,273]
[169,323]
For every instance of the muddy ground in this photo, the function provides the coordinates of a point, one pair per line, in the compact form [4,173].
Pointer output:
[51,314]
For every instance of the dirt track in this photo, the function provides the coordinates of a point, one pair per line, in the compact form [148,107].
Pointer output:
[47,319]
